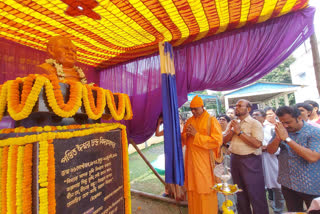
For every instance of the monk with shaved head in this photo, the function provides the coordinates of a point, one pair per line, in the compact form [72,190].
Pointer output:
[63,55]
[245,136]
[202,136]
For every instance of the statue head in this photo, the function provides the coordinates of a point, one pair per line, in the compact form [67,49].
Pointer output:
[62,50]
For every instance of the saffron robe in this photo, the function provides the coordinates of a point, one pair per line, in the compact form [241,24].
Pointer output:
[199,176]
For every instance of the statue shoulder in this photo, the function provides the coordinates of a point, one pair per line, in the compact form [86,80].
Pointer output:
[46,68]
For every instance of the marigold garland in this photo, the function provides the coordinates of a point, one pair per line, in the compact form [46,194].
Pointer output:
[43,177]
[126,171]
[3,99]
[11,179]
[51,180]
[48,128]
[129,113]
[94,112]
[15,92]
[27,180]
[55,98]
[26,109]
[19,178]
[33,84]
[4,167]
[1,150]
[117,113]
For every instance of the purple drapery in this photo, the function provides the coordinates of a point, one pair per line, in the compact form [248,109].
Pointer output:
[18,61]
[222,62]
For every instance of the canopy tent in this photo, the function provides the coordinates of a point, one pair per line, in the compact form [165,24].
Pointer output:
[108,32]
[259,36]
[121,34]
[225,61]
[219,44]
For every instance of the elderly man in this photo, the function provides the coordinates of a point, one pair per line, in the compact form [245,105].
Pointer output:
[201,134]
[246,138]
[63,55]
[299,159]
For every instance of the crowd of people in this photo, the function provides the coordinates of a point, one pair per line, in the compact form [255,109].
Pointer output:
[274,155]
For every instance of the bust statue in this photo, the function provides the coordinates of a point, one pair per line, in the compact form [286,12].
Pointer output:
[63,55]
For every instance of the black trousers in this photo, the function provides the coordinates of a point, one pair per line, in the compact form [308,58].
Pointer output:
[294,200]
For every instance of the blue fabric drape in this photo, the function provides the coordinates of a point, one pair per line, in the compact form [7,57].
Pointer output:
[174,168]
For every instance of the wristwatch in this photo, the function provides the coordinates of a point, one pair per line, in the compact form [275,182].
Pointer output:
[288,139]
[241,132]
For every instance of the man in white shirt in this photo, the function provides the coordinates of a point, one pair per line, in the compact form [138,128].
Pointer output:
[246,138]
[270,161]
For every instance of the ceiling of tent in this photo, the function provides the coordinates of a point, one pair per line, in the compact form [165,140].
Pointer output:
[107,32]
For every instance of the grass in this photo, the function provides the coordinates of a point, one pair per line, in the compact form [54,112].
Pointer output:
[141,176]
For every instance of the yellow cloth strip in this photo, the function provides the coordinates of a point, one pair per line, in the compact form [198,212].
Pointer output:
[176,18]
[52,6]
[223,13]
[49,34]
[113,9]
[106,28]
[153,20]
[245,7]
[287,7]
[166,63]
[200,16]
[267,10]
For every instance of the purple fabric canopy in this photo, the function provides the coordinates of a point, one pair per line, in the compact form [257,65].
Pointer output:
[222,62]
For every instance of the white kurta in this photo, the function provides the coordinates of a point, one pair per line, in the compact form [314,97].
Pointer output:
[270,161]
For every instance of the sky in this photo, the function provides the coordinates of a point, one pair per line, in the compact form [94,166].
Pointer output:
[316,4]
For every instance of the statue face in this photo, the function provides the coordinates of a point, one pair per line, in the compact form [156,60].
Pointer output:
[64,52]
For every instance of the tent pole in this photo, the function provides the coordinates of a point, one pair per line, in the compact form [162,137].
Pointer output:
[316,59]
[152,196]
[147,162]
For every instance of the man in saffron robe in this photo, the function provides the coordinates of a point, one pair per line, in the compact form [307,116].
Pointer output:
[201,134]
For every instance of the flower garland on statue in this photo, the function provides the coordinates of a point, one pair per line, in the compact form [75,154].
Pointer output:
[19,104]
[61,74]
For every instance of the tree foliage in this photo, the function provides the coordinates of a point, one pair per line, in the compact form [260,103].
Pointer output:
[280,74]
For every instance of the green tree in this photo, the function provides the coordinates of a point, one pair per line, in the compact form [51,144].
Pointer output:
[280,74]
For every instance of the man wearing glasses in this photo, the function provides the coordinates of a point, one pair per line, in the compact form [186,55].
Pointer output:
[246,136]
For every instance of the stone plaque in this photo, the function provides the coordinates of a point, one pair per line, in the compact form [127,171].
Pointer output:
[89,174]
